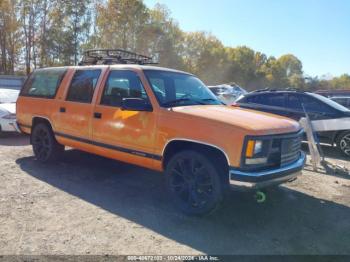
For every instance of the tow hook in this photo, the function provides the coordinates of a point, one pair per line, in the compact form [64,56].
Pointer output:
[260,197]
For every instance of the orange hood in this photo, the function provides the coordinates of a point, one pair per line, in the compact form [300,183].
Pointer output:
[259,123]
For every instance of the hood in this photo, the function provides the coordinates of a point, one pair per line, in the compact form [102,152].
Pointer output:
[7,108]
[258,122]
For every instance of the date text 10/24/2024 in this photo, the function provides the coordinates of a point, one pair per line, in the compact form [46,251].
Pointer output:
[173,258]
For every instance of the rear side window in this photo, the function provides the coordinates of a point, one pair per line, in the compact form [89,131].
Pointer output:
[276,100]
[256,99]
[294,103]
[122,84]
[313,105]
[43,83]
[309,103]
[83,85]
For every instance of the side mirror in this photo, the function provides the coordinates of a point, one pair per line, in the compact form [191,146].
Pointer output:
[136,104]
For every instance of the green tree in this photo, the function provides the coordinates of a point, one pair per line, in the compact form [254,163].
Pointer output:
[341,82]
[162,38]
[292,71]
[69,29]
[245,67]
[204,56]
[29,17]
[9,36]
[120,23]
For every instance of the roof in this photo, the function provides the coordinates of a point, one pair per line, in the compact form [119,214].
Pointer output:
[274,91]
[120,66]
[278,90]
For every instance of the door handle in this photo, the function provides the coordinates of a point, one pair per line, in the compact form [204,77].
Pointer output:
[97,115]
[62,109]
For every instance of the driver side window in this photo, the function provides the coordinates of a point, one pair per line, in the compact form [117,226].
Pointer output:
[122,84]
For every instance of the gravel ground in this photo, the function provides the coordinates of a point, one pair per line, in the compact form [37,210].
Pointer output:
[86,204]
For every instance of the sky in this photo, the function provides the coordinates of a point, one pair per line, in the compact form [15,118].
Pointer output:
[316,31]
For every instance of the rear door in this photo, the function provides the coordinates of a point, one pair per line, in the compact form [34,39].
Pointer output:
[73,117]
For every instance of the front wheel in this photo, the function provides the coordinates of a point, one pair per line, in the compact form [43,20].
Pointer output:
[193,183]
[343,143]
[45,146]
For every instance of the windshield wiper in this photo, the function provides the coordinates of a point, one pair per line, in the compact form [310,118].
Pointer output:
[213,100]
[177,101]
[209,99]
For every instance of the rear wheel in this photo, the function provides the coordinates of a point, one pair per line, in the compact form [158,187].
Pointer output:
[45,146]
[193,183]
[343,143]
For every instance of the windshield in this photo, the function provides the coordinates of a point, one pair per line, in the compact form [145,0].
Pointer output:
[330,102]
[179,89]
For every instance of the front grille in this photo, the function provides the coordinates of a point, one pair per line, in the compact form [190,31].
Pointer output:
[281,150]
[290,149]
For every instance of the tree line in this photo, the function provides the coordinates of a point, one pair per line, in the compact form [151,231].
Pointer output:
[43,33]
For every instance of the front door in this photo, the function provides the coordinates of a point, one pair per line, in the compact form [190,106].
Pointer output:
[125,135]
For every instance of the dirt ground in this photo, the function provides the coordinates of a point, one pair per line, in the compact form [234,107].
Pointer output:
[91,205]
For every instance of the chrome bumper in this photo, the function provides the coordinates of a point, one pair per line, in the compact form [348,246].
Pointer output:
[267,178]
[16,127]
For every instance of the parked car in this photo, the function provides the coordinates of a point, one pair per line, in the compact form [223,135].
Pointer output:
[161,119]
[8,99]
[11,82]
[330,120]
[228,94]
[343,100]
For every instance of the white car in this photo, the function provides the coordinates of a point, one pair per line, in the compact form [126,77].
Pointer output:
[343,100]
[8,99]
[228,93]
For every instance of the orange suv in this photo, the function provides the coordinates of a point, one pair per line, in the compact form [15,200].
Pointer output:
[161,119]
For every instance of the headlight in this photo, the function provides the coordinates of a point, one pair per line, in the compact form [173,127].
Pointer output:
[9,116]
[254,147]
[256,152]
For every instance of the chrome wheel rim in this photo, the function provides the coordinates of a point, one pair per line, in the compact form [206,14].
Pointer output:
[345,144]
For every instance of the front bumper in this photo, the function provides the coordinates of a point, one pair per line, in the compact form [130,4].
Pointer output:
[267,178]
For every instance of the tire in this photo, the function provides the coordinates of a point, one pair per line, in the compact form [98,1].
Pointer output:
[343,143]
[45,147]
[193,183]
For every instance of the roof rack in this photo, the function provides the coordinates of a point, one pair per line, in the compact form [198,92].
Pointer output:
[114,56]
[263,90]
[277,90]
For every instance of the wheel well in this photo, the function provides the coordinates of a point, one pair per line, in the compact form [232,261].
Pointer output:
[37,120]
[218,156]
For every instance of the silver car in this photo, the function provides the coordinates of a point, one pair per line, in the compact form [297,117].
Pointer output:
[8,99]
[228,93]
[343,100]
